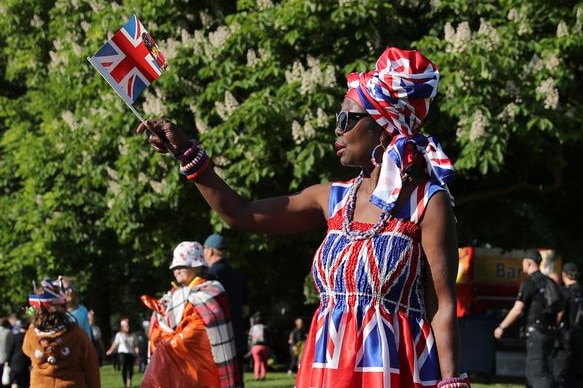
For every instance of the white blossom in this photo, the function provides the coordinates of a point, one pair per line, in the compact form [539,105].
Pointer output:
[479,125]
[344,3]
[513,15]
[534,66]
[69,119]
[524,28]
[216,41]
[449,32]
[96,6]
[143,178]
[227,107]
[552,62]
[199,43]
[185,37]
[112,173]
[158,187]
[264,4]
[114,187]
[508,114]
[154,105]
[252,60]
[169,48]
[122,147]
[450,91]
[459,38]
[302,133]
[205,19]
[265,55]
[462,123]
[562,30]
[200,125]
[219,37]
[547,89]
[435,4]
[490,33]
[579,20]
[322,119]
[311,76]
[36,22]
[221,161]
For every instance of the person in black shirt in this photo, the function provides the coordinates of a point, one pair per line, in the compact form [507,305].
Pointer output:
[570,345]
[540,324]
[235,283]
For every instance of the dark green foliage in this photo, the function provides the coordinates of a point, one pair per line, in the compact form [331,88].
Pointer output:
[258,82]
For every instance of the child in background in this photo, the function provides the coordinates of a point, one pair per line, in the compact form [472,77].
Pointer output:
[60,352]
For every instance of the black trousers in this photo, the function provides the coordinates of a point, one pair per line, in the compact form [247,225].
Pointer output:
[565,359]
[539,347]
[127,366]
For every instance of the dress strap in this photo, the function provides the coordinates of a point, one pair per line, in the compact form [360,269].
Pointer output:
[414,209]
[338,196]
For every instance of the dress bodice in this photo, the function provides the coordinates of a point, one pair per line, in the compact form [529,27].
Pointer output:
[371,328]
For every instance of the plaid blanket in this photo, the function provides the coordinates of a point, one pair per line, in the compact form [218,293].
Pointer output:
[210,301]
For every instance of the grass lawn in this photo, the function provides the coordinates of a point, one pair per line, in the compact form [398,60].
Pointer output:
[112,379]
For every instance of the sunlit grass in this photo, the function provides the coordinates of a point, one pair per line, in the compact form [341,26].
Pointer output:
[112,379]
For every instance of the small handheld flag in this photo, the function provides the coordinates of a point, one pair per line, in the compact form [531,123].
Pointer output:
[130,61]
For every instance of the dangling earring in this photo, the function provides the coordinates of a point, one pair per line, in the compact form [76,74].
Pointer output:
[373,158]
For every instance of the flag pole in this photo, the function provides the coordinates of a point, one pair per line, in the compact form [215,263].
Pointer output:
[107,77]
[162,138]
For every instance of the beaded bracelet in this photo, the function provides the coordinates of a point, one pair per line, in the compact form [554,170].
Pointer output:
[196,174]
[453,382]
[195,163]
[190,151]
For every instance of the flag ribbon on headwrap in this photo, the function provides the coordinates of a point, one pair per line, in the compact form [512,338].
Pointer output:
[52,293]
[398,94]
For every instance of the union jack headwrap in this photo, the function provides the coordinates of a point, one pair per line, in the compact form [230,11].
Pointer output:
[397,94]
[52,293]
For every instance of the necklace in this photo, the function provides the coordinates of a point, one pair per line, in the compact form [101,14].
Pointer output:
[355,235]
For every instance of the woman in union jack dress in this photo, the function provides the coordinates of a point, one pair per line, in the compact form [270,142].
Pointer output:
[386,268]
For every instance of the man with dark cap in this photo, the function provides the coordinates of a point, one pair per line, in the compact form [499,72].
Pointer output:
[235,283]
[571,329]
[540,324]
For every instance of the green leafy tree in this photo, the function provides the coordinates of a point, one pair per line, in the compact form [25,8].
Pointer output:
[258,83]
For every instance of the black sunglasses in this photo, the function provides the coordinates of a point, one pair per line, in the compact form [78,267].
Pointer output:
[346,120]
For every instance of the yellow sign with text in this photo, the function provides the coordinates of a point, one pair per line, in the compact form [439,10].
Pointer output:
[498,270]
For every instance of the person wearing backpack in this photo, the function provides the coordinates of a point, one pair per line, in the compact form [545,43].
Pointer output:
[570,344]
[541,322]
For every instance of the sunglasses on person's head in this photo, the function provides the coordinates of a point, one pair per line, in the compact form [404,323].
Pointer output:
[346,120]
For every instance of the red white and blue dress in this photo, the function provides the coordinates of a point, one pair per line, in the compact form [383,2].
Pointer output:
[371,328]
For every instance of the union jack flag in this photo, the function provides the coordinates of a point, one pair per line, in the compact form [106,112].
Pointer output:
[52,293]
[130,60]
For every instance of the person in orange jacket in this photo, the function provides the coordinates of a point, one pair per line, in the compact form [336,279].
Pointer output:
[60,352]
[191,335]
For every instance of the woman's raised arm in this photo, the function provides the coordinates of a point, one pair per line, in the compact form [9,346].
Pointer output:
[285,214]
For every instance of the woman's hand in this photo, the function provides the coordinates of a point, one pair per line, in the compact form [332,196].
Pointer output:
[164,136]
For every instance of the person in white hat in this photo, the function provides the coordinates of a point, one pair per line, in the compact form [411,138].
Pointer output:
[191,335]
